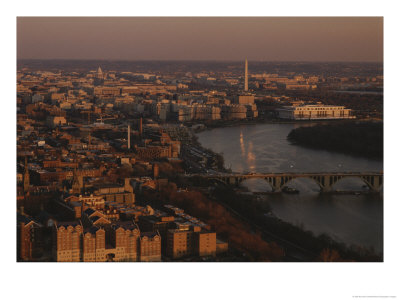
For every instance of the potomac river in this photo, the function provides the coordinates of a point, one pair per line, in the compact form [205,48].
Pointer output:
[348,218]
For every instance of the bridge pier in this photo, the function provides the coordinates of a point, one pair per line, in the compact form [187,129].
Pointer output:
[275,182]
[374,182]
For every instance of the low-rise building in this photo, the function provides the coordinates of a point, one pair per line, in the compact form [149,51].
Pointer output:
[314,112]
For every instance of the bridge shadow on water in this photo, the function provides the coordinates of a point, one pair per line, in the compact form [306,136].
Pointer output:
[350,184]
[350,218]
[309,186]
[303,185]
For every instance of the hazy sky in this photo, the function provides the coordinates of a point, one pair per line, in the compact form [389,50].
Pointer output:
[142,38]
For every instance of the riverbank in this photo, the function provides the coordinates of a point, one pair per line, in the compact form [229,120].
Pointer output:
[295,240]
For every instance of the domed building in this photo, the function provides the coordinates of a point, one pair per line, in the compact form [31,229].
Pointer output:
[99,73]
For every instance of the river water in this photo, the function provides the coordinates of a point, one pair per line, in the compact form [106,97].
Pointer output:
[352,219]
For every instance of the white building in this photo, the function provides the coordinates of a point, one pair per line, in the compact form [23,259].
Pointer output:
[314,112]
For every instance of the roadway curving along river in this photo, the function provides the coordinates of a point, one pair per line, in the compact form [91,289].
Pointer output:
[352,219]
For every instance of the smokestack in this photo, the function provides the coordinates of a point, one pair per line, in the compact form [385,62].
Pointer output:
[246,82]
[129,137]
[141,126]
[155,171]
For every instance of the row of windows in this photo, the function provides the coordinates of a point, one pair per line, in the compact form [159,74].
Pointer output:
[328,108]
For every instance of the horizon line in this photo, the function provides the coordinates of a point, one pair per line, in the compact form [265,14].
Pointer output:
[199,60]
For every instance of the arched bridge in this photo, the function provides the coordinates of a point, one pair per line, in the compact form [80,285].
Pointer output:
[325,181]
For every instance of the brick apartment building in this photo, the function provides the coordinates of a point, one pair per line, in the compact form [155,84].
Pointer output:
[67,242]
[29,237]
[119,242]
[189,240]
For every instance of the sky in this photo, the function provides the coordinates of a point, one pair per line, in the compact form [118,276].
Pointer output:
[201,38]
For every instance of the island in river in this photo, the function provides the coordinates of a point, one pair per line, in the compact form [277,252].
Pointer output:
[354,138]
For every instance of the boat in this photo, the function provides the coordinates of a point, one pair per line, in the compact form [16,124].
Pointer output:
[289,190]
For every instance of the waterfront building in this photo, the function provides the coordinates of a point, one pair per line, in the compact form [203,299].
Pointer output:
[234,111]
[314,112]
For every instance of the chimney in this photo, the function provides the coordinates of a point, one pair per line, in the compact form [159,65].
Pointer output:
[141,126]
[129,137]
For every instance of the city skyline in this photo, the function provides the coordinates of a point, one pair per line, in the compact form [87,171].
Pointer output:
[303,39]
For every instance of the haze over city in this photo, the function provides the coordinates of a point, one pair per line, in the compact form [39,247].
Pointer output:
[356,39]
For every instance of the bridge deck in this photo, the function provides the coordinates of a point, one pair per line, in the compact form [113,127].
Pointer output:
[223,175]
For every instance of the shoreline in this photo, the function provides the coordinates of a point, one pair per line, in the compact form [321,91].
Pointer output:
[238,123]
[233,123]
